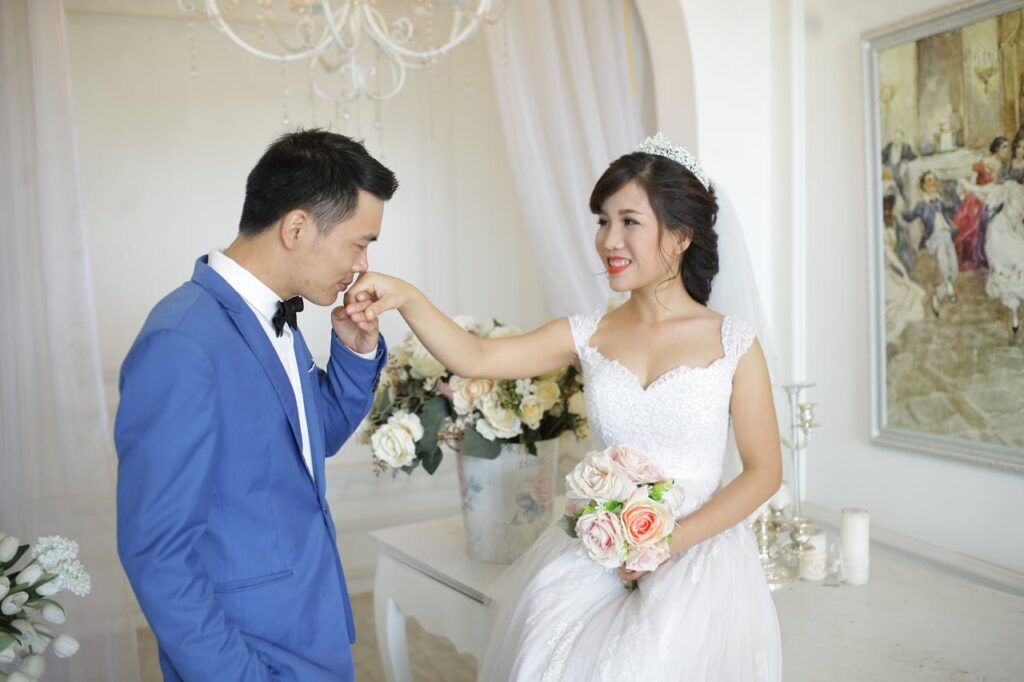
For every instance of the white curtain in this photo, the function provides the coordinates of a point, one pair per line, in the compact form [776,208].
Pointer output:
[57,464]
[572,86]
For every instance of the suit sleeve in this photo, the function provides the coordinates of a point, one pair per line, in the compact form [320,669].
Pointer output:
[167,436]
[346,391]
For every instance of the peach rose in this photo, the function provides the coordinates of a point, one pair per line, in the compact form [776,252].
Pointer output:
[636,464]
[603,537]
[467,393]
[647,558]
[646,521]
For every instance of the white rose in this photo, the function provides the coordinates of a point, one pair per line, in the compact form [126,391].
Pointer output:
[54,613]
[408,421]
[532,411]
[504,332]
[423,365]
[673,498]
[48,589]
[598,477]
[467,323]
[466,393]
[393,445]
[8,548]
[577,404]
[498,421]
[12,603]
[548,393]
[29,575]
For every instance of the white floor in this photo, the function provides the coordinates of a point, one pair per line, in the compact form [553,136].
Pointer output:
[912,622]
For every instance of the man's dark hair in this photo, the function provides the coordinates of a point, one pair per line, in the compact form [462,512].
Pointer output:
[315,170]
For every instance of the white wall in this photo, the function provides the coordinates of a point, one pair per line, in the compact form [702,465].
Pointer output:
[764,125]
[970,509]
[164,160]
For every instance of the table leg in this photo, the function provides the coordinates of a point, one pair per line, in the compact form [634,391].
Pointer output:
[391,640]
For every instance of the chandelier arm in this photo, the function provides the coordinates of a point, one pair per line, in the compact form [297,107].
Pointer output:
[372,17]
[217,20]
[333,27]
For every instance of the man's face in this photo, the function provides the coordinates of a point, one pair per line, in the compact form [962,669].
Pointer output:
[326,264]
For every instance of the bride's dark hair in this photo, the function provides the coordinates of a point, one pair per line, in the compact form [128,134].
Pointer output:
[681,203]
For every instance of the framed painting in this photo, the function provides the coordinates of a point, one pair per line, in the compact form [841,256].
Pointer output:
[944,107]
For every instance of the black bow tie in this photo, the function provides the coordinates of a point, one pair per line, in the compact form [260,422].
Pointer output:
[286,311]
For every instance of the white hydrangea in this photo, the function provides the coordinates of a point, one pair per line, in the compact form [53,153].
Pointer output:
[59,556]
[525,387]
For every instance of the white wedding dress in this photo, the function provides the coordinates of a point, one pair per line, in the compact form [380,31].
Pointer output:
[705,615]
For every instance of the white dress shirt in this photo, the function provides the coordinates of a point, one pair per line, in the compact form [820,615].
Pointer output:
[262,300]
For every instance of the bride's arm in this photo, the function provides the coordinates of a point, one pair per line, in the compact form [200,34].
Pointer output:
[545,349]
[757,437]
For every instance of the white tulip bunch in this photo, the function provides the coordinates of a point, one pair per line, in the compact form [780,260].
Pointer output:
[26,601]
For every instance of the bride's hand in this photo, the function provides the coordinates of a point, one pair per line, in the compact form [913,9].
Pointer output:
[629,576]
[373,294]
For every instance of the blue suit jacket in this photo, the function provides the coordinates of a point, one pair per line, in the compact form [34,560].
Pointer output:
[226,538]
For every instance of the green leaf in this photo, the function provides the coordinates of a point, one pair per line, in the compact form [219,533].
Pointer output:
[568,524]
[531,447]
[659,489]
[432,416]
[431,460]
[475,445]
[6,641]
[613,506]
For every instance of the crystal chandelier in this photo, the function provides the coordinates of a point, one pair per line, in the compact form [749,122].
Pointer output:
[355,48]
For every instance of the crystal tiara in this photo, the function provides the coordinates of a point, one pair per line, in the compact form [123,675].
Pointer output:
[660,145]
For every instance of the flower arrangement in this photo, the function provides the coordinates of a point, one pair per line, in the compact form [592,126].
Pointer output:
[622,509]
[26,599]
[420,405]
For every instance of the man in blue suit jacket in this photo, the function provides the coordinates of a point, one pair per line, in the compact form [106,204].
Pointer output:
[225,420]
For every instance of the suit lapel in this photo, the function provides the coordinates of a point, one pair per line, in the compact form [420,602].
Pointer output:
[309,395]
[249,327]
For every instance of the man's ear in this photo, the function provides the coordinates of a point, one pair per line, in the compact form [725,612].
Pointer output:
[293,226]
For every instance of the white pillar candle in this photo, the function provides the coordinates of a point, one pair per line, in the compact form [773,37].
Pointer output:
[782,498]
[855,543]
[813,561]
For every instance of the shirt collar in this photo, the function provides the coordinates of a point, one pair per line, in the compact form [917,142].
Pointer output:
[249,287]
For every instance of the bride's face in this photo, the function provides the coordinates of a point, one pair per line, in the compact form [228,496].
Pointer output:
[634,250]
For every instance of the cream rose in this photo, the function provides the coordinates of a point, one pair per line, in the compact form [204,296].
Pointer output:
[422,365]
[598,477]
[547,393]
[393,445]
[409,422]
[577,404]
[603,537]
[636,464]
[532,411]
[647,558]
[645,521]
[498,421]
[467,393]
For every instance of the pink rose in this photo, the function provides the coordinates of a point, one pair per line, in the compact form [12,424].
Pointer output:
[647,558]
[645,521]
[637,466]
[603,538]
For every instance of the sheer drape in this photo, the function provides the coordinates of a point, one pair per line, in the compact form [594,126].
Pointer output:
[571,80]
[57,465]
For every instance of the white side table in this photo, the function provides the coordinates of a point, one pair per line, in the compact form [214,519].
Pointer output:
[423,571]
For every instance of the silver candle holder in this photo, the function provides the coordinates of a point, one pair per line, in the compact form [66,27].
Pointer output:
[801,421]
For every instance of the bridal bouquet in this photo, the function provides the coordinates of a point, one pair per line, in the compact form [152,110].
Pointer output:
[26,599]
[622,509]
[420,405]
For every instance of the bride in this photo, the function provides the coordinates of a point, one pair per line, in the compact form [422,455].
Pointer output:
[664,373]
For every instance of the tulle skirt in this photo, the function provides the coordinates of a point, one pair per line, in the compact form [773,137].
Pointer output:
[704,615]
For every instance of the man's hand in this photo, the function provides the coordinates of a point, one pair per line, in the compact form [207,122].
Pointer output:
[359,336]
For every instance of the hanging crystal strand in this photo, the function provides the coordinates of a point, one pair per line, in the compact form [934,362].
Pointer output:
[285,121]
[311,95]
[378,121]
[193,72]
[431,81]
[506,34]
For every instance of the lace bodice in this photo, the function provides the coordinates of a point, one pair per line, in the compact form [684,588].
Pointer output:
[681,420]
